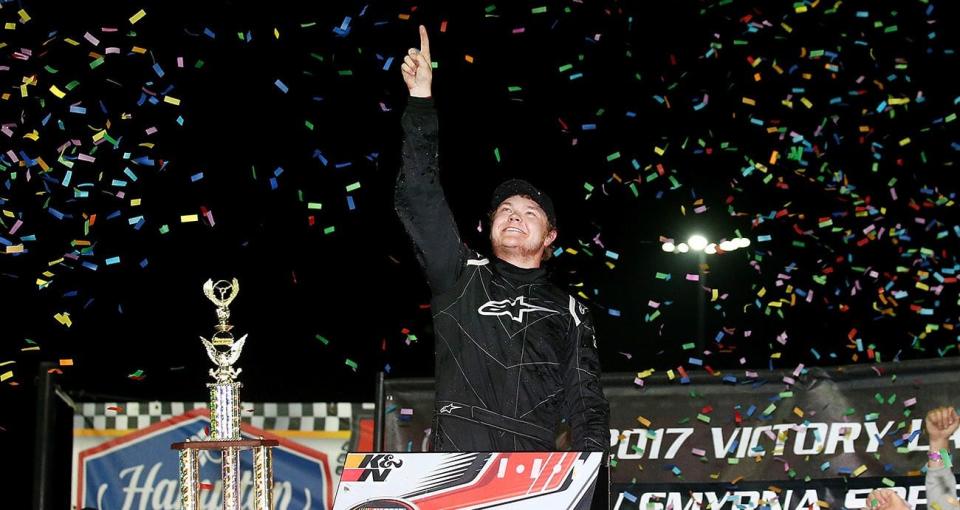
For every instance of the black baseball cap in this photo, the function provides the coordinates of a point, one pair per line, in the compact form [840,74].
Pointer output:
[512,187]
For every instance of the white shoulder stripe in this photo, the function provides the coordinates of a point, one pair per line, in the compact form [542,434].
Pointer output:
[477,262]
[573,311]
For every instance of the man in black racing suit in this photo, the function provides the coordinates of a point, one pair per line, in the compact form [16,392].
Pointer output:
[515,355]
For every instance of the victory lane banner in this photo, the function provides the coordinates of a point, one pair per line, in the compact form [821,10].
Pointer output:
[823,429]
[122,457]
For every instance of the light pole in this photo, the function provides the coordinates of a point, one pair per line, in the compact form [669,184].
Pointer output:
[702,247]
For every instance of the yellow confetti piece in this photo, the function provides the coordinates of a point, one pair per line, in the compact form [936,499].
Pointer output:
[806,102]
[134,202]
[189,218]
[643,421]
[773,157]
[71,42]
[57,92]
[276,34]
[6,375]
[797,411]
[138,16]
[14,248]
[137,49]
[24,17]
[172,100]
[659,151]
[860,470]
[66,362]
[905,141]
[749,101]
[64,318]
[33,135]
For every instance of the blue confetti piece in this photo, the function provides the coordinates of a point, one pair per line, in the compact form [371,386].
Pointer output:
[282,86]
[614,312]
[196,177]
[350,204]
[157,69]
[112,260]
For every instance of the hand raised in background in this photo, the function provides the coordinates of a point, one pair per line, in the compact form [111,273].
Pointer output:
[417,69]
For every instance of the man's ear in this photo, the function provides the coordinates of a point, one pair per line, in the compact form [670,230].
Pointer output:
[551,237]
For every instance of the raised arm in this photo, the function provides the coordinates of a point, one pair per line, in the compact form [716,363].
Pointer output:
[586,409]
[418,197]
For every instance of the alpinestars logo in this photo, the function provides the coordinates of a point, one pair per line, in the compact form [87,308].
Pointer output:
[515,308]
[449,408]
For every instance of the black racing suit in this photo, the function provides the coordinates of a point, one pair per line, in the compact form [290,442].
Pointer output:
[514,354]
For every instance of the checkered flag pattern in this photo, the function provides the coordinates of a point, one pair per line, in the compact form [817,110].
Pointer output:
[302,416]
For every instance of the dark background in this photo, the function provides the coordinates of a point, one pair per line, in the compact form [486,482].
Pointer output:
[359,286]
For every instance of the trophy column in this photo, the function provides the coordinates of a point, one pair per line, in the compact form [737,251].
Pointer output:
[263,478]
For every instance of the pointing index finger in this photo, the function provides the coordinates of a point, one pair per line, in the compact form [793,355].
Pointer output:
[424,42]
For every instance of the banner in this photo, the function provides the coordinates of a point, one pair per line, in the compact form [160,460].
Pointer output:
[122,458]
[789,438]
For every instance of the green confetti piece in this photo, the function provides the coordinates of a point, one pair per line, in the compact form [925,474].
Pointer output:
[96,63]
[614,156]
[663,276]
[539,10]
[689,346]
[704,418]
[888,482]
[164,229]
[770,409]
[352,364]
[947,460]
[323,340]
[314,205]
[308,124]
[587,186]
[733,460]
[565,67]
[514,88]
[329,230]
[353,187]
[138,373]
[496,153]
[345,72]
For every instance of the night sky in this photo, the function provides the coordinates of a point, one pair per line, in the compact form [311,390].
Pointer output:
[141,155]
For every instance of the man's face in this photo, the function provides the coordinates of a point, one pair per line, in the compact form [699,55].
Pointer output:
[519,225]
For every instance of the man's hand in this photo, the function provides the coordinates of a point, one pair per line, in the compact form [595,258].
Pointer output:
[885,499]
[941,423]
[417,68]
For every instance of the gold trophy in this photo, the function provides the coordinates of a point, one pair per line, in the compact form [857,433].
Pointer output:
[224,405]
